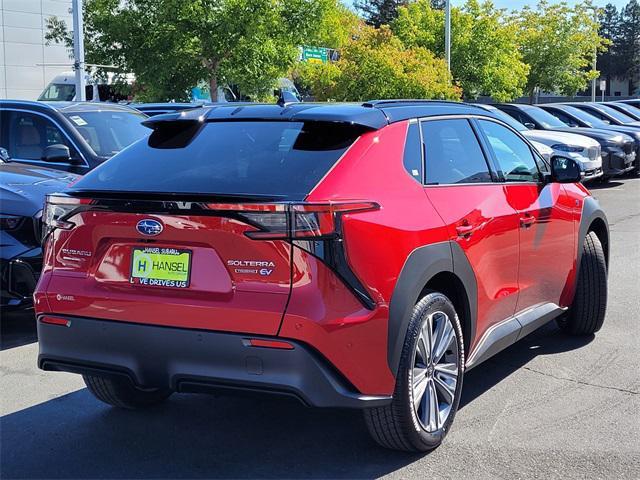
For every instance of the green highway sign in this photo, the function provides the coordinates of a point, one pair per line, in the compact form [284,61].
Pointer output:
[315,54]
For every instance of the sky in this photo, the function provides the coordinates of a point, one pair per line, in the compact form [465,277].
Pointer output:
[516,4]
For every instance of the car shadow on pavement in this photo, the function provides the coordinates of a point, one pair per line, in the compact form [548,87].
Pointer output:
[197,436]
[596,185]
[17,329]
[547,340]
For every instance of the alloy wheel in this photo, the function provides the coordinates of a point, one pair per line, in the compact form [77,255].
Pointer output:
[436,367]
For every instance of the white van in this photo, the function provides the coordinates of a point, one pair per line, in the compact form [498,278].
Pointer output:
[63,89]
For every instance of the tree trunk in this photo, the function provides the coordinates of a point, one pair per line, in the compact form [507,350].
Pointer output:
[213,85]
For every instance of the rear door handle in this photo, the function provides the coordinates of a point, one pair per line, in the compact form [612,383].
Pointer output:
[527,221]
[465,231]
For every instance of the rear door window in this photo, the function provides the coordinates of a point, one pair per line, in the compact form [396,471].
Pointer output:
[514,156]
[452,153]
[269,158]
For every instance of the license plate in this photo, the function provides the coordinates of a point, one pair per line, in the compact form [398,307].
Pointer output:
[160,267]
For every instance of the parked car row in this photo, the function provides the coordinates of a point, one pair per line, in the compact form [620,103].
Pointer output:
[617,134]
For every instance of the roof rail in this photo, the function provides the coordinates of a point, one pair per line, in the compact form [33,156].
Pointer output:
[406,102]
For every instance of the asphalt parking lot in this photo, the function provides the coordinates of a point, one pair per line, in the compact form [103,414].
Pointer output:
[549,406]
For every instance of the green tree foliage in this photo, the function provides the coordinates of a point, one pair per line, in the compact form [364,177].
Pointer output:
[383,12]
[379,12]
[171,45]
[609,61]
[375,64]
[628,43]
[336,26]
[558,43]
[484,52]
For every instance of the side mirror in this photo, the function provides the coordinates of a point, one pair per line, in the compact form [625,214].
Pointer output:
[57,153]
[530,126]
[565,170]
[4,155]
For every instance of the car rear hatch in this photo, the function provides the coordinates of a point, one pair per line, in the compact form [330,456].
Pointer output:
[193,228]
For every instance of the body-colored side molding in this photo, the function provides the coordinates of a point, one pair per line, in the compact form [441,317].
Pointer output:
[422,265]
[510,330]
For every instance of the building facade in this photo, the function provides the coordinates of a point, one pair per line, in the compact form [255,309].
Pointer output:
[27,64]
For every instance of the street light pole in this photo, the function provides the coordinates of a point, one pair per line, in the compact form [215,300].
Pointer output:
[595,59]
[78,50]
[447,33]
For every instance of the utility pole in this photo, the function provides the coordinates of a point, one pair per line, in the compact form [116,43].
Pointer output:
[595,59]
[78,50]
[447,33]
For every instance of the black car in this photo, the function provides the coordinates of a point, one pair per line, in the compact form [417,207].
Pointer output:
[619,148]
[606,113]
[23,189]
[74,137]
[626,108]
[635,102]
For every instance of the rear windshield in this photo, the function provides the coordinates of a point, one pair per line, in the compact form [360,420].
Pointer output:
[266,158]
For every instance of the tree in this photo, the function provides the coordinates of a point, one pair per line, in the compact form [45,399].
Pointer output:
[628,43]
[484,52]
[609,64]
[375,64]
[558,43]
[172,45]
[379,12]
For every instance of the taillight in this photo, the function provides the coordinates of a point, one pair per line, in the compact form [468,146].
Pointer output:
[295,221]
[58,209]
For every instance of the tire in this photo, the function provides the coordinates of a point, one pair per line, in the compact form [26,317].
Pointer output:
[605,179]
[120,392]
[586,315]
[399,425]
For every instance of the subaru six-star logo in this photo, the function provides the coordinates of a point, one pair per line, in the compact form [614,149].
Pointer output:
[149,227]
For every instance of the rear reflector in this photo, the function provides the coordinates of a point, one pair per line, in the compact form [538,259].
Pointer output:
[56,321]
[259,342]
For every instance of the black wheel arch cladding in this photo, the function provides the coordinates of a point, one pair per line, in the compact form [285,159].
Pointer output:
[593,219]
[422,265]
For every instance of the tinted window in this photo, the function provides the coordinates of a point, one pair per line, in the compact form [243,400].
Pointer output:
[519,116]
[586,118]
[108,132]
[453,154]
[509,120]
[544,118]
[413,153]
[241,158]
[513,154]
[564,118]
[612,112]
[595,113]
[30,134]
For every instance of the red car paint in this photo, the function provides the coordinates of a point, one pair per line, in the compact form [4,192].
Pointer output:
[520,240]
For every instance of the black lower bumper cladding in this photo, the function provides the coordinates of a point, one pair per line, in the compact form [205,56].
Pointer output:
[187,360]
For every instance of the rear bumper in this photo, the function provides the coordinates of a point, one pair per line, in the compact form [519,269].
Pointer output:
[194,361]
